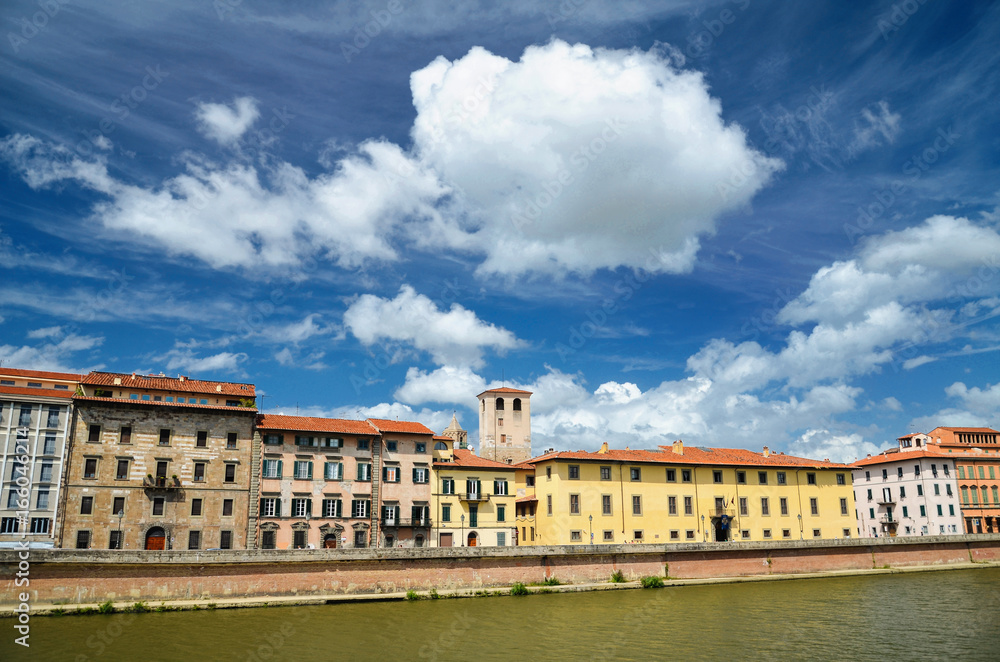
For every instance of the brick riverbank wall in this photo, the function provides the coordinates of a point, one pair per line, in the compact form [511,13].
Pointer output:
[89,576]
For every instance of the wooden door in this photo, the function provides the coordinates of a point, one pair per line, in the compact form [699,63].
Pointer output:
[156,539]
[446,540]
[472,540]
[330,541]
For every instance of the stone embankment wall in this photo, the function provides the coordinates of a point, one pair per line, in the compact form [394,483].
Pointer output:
[89,576]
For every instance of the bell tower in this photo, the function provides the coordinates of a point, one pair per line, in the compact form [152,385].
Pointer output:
[505,425]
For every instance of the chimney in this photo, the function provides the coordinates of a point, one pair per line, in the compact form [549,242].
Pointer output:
[679,447]
[767,452]
[180,377]
[604,448]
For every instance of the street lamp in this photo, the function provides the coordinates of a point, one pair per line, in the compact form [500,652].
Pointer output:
[591,529]
[704,531]
[463,531]
[800,526]
[121,514]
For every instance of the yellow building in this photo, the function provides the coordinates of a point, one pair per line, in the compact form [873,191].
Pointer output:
[678,494]
[472,499]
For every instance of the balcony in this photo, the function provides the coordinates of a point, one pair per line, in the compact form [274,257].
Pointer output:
[722,512]
[473,496]
[404,522]
[161,483]
[883,502]
[888,519]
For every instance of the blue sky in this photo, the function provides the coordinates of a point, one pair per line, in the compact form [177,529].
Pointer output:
[737,223]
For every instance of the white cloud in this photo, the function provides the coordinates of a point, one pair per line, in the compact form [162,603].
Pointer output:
[455,337]
[626,158]
[55,356]
[822,444]
[187,361]
[576,159]
[227,123]
[47,332]
[892,404]
[447,384]
[917,361]
[878,126]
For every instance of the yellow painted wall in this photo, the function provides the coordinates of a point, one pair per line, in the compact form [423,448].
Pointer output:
[488,524]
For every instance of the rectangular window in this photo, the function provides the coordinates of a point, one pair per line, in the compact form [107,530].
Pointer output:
[447,486]
[391,446]
[10,525]
[421,447]
[199,472]
[940,510]
[158,506]
[195,507]
[899,472]
[420,475]
[923,511]
[227,507]
[331,508]
[50,444]
[767,533]
[194,540]
[762,477]
[765,506]
[94,433]
[606,504]
[637,505]
[574,504]
[231,439]
[40,524]
[42,500]
[364,471]
[605,473]
[270,507]
[226,540]
[817,534]
[689,534]
[272,439]
[333,470]
[164,437]
[951,510]
[981,474]
[304,441]
[637,534]
[906,511]
[609,536]
[716,476]
[961,472]
[360,508]
[574,472]
[783,502]
[843,506]
[782,478]
[920,489]
[635,473]
[811,478]
[741,477]
[814,506]
[90,467]
[303,470]
[87,505]
[947,489]
[125,435]
[744,507]
[272,468]
[362,444]
[501,513]
[671,475]
[975,495]
[671,505]
[267,540]
[501,539]
[83,539]
[946,469]
[121,471]
[685,475]
[841,479]
[902,491]
[53,418]
[301,507]
[548,504]
[688,508]
[231,473]
[575,536]
[446,512]
[500,487]
[202,440]
[937,490]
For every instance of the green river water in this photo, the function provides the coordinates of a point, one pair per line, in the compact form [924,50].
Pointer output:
[916,616]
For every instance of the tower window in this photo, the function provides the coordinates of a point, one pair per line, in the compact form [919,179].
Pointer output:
[499,404]
[517,404]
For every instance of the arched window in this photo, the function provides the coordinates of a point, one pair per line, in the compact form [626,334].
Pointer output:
[517,404]
[499,404]
[483,403]
[440,446]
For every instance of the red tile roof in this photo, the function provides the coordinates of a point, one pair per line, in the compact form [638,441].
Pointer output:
[988,430]
[439,437]
[41,374]
[312,424]
[407,427]
[693,455]
[893,455]
[155,403]
[164,383]
[527,499]
[505,389]
[464,458]
[47,392]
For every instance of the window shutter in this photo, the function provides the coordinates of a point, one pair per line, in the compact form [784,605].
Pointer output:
[277,507]
[279,469]
[309,506]
[414,474]
[340,471]
[310,470]
[496,487]
[385,473]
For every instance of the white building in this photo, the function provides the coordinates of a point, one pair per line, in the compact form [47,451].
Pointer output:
[907,491]
[35,417]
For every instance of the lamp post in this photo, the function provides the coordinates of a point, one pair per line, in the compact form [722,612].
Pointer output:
[121,514]
[704,531]
[800,526]
[591,529]
[463,530]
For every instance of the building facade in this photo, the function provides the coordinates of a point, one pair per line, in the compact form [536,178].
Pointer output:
[976,453]
[35,419]
[911,490]
[160,463]
[505,425]
[682,494]
[473,499]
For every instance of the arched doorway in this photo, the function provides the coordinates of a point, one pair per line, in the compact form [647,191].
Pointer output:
[330,541]
[473,539]
[156,538]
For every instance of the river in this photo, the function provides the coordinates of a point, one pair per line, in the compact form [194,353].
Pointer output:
[931,616]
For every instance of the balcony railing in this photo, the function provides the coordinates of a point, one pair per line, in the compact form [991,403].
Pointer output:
[407,522]
[882,501]
[888,519]
[473,496]
[722,512]
[161,483]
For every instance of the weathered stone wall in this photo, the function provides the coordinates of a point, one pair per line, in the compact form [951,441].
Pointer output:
[87,576]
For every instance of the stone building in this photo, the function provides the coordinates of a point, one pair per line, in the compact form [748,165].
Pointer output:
[403,463]
[159,462]
[505,425]
[35,418]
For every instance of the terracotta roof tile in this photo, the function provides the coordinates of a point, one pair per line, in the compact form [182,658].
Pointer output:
[402,427]
[988,430]
[152,403]
[312,424]
[463,457]
[893,455]
[505,389]
[527,499]
[47,392]
[693,455]
[41,374]
[164,383]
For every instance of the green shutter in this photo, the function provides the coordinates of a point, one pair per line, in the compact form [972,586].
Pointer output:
[309,505]
[310,470]
[277,507]
[414,474]
[279,468]
[340,470]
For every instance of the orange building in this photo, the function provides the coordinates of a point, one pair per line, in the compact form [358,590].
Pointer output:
[976,453]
